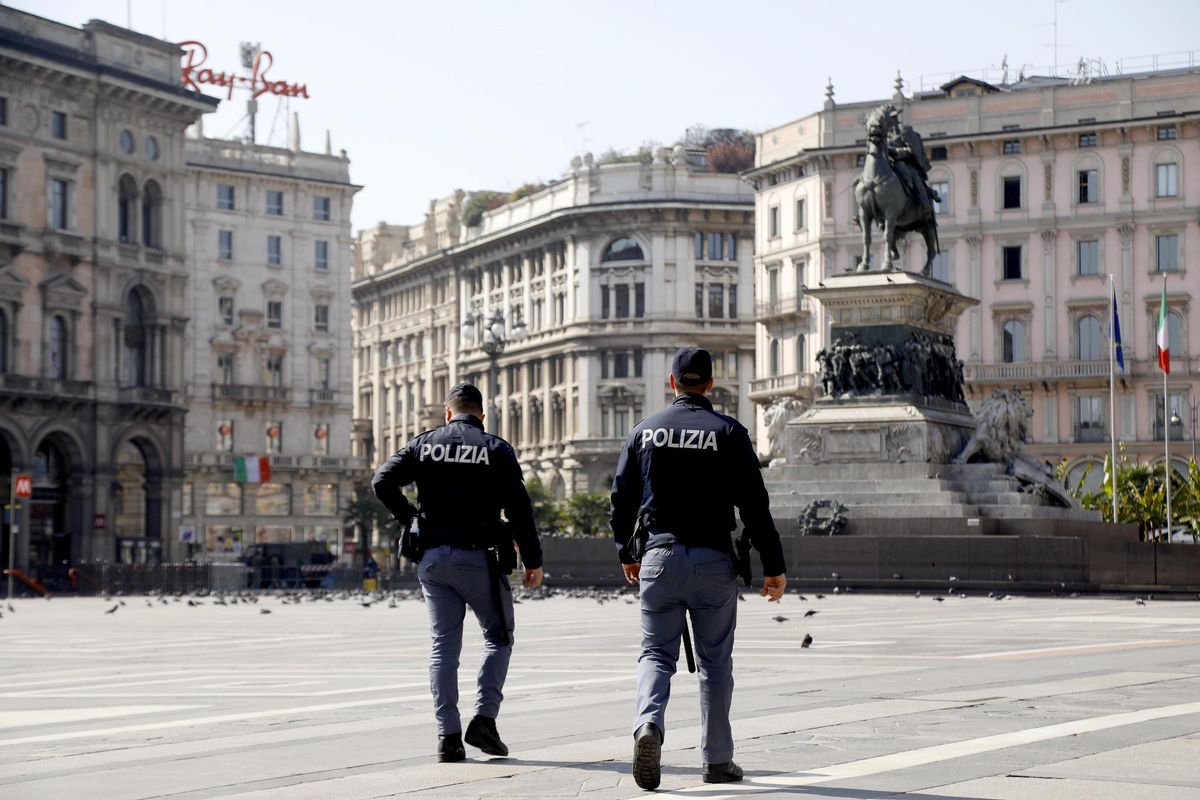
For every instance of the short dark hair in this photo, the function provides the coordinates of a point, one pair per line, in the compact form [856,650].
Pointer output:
[700,387]
[462,405]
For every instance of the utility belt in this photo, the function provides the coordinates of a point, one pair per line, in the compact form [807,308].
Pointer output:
[414,543]
[738,548]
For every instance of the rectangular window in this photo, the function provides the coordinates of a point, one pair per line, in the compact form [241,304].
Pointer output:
[621,422]
[1166,180]
[1166,133]
[1012,147]
[225,310]
[321,254]
[59,204]
[942,205]
[637,362]
[716,300]
[223,499]
[939,153]
[605,301]
[1011,256]
[1166,252]
[321,208]
[274,313]
[714,246]
[3,110]
[639,300]
[225,245]
[1089,186]
[773,222]
[620,364]
[801,214]
[1087,139]
[323,375]
[274,250]
[225,368]
[773,288]
[731,247]
[321,317]
[274,203]
[58,125]
[3,193]
[733,301]
[275,370]
[321,498]
[699,301]
[1089,257]
[1012,191]
[698,239]
[622,300]
[225,197]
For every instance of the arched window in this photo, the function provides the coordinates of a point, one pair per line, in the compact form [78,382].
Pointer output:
[1012,341]
[152,201]
[800,367]
[134,341]
[127,196]
[57,355]
[774,357]
[623,249]
[3,343]
[1089,340]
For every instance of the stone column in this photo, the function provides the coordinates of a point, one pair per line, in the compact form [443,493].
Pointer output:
[1124,287]
[1049,280]
[974,287]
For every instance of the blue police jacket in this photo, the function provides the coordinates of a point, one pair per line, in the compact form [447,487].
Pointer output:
[465,477]
[689,466]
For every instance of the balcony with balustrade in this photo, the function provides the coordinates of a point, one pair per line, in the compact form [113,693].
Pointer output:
[793,384]
[778,308]
[251,394]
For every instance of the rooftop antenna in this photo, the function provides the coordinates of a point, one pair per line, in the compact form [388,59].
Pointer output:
[1054,69]
[250,51]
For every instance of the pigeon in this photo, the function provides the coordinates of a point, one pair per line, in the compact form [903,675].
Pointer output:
[264,611]
[112,610]
[836,590]
[1073,594]
[778,618]
[1140,601]
[741,597]
[940,599]
[887,278]
[366,605]
[810,612]
[953,578]
[820,597]
[918,594]
[149,604]
[803,599]
[122,602]
[895,576]
[807,640]
[835,575]
[11,610]
[194,603]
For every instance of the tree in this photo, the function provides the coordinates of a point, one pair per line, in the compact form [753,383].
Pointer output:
[365,513]
[587,514]
[547,513]
[1141,495]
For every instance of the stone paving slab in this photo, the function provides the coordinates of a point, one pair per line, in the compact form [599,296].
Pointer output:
[899,696]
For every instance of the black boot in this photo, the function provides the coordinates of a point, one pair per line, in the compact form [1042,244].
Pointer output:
[722,773]
[647,757]
[482,733]
[450,747]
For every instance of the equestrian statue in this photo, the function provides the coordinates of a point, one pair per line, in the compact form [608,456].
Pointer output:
[893,191]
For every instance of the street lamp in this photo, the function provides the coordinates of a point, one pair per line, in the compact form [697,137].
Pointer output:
[494,339]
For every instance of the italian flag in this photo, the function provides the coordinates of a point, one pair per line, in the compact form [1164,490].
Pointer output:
[1164,345]
[251,470]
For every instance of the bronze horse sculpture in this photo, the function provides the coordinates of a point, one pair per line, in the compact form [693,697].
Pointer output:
[896,203]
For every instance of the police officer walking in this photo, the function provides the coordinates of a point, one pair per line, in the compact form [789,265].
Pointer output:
[465,477]
[680,475]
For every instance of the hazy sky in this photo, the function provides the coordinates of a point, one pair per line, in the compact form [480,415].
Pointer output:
[432,96]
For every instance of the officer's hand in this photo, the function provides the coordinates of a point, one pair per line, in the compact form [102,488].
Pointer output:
[773,588]
[631,572]
[533,578]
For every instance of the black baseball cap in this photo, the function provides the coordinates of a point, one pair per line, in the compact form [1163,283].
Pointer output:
[467,392]
[692,366]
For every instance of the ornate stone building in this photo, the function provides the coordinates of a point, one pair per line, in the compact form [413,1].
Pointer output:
[1048,187]
[268,351]
[92,288]
[608,271]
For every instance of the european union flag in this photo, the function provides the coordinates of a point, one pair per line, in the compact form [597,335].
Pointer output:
[1114,331]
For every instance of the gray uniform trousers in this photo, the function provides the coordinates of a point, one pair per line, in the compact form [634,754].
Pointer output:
[674,580]
[452,580]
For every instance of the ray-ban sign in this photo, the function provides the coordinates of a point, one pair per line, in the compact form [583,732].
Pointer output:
[195,75]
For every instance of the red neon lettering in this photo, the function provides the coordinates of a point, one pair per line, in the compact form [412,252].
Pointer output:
[195,54]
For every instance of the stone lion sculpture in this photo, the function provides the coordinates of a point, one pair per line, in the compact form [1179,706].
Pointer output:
[1001,430]
[776,417]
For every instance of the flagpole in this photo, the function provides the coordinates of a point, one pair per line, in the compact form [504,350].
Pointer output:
[1165,334]
[1112,393]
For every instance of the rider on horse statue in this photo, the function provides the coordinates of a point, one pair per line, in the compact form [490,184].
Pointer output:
[906,152]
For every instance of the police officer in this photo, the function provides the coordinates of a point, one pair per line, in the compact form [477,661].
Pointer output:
[681,473]
[464,478]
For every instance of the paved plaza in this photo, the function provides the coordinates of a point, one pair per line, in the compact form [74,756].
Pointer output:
[898,696]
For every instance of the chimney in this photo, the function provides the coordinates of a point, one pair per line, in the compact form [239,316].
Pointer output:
[294,132]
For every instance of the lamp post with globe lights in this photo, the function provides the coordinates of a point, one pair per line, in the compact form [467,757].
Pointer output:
[495,336]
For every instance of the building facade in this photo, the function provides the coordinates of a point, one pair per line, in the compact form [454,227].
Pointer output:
[606,271]
[92,289]
[268,344]
[1048,187]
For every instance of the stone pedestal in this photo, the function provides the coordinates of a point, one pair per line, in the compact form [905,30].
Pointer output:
[892,378]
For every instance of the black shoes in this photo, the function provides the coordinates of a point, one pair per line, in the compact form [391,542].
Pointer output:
[450,748]
[647,757]
[722,773]
[482,733]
